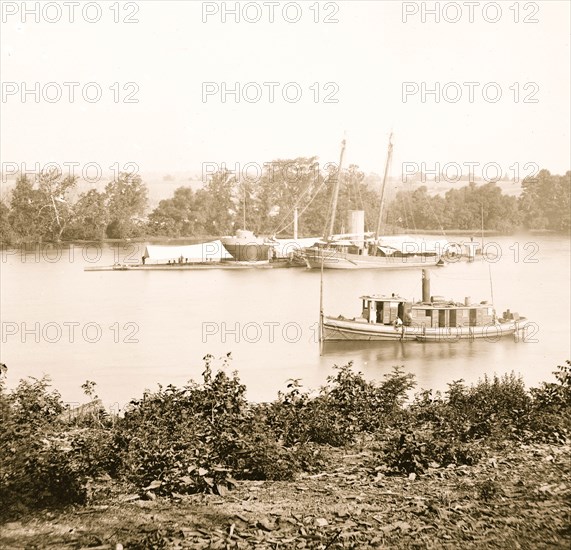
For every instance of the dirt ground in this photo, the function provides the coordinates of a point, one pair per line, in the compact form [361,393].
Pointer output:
[518,498]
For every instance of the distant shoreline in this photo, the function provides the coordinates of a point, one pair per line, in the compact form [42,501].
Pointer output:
[197,239]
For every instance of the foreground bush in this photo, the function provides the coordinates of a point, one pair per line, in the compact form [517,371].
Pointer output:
[36,467]
[549,417]
[197,438]
[347,406]
[451,429]
[204,436]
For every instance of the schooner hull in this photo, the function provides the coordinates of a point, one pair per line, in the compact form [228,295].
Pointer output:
[345,329]
[335,260]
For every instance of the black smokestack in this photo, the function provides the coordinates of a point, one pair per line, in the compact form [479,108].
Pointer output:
[425,285]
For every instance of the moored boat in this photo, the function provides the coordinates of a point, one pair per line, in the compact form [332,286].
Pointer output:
[207,255]
[431,319]
[246,247]
[360,250]
[368,254]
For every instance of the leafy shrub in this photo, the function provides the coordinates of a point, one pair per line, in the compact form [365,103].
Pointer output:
[364,406]
[262,456]
[52,476]
[494,408]
[348,405]
[93,450]
[31,406]
[290,416]
[445,429]
[37,467]
[413,451]
[550,413]
[198,437]
[173,437]
[487,489]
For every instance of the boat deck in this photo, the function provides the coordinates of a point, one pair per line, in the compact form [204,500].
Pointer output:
[194,266]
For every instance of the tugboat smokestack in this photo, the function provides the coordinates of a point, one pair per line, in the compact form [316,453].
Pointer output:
[425,285]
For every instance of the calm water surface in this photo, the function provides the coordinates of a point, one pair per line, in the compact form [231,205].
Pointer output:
[128,331]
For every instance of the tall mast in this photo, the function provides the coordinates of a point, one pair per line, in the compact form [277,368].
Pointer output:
[336,192]
[244,207]
[389,156]
[489,263]
[295,221]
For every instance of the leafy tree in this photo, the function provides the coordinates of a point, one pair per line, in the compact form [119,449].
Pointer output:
[24,207]
[6,233]
[466,208]
[500,212]
[215,204]
[43,211]
[417,209]
[91,217]
[57,212]
[287,184]
[545,203]
[463,209]
[126,198]
[175,217]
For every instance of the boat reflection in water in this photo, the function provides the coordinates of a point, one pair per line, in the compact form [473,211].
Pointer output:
[396,351]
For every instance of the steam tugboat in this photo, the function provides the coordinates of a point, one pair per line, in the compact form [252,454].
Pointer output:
[432,319]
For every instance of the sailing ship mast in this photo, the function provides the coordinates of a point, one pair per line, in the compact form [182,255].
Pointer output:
[244,208]
[387,164]
[329,234]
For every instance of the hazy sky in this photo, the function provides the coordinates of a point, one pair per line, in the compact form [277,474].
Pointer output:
[361,61]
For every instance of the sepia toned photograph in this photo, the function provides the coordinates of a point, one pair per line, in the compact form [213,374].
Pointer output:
[285,274]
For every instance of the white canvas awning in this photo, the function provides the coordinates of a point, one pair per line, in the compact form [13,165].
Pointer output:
[286,247]
[407,244]
[212,251]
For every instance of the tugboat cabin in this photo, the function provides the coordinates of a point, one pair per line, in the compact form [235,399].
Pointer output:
[433,313]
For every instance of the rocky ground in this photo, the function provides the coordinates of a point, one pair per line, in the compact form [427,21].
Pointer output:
[517,498]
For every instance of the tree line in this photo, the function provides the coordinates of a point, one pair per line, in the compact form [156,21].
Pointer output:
[49,208]
[46,208]
[543,205]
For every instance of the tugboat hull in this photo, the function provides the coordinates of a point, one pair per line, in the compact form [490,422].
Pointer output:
[336,329]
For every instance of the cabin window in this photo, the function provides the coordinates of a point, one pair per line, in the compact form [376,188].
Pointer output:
[453,320]
[473,317]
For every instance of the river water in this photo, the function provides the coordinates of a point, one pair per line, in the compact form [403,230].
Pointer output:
[129,331]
